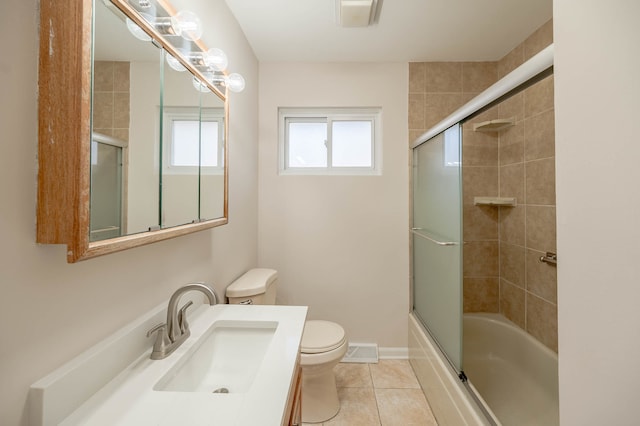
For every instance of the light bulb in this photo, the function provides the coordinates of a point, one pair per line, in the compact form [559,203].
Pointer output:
[200,86]
[187,24]
[216,59]
[235,82]
[137,31]
[175,63]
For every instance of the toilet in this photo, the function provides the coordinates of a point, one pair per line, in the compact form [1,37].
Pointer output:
[323,345]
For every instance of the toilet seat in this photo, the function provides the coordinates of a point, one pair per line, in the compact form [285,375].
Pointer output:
[321,336]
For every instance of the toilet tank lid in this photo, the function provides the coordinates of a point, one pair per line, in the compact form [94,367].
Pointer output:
[252,283]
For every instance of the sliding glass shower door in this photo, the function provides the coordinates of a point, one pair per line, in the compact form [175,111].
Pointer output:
[437,240]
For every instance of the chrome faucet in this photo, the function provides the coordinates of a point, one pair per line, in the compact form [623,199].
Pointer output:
[176,330]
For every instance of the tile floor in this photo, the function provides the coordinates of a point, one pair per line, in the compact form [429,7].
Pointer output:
[383,394]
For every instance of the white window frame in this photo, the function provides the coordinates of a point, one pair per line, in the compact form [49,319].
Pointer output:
[328,115]
[171,114]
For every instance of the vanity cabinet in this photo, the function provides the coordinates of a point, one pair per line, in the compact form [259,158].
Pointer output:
[293,413]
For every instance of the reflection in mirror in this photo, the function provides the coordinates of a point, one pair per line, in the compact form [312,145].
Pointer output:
[212,156]
[180,142]
[125,98]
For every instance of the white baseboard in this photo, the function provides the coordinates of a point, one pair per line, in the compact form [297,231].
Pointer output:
[393,353]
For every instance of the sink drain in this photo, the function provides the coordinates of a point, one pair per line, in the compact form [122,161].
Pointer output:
[221,390]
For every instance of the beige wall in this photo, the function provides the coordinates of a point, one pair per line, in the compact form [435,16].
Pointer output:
[340,243]
[111,99]
[51,311]
[502,245]
[597,103]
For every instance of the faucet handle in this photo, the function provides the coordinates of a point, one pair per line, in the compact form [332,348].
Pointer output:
[162,340]
[182,318]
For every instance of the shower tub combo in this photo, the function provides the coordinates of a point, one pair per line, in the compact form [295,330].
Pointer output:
[474,368]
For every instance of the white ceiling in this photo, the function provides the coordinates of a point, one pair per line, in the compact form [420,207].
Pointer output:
[408,30]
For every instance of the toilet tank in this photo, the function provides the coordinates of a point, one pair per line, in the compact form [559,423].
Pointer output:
[255,287]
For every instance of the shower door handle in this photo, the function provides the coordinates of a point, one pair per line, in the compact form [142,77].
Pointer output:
[440,243]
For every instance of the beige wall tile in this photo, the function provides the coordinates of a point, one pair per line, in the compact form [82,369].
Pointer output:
[541,228]
[542,321]
[403,407]
[357,407]
[481,294]
[103,110]
[416,111]
[393,374]
[479,223]
[541,277]
[486,115]
[415,134]
[479,182]
[122,134]
[512,182]
[512,264]
[479,149]
[512,225]
[512,107]
[121,110]
[477,76]
[512,303]
[352,375]
[540,39]
[440,105]
[121,77]
[512,144]
[417,77]
[108,132]
[511,61]
[539,136]
[443,77]
[539,97]
[541,181]
[103,76]
[480,259]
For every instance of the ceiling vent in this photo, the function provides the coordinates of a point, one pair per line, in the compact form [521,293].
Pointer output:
[357,13]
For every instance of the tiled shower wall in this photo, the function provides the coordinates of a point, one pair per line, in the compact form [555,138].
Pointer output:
[502,245]
[111,99]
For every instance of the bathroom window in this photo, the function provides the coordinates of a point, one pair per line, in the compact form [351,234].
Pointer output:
[193,137]
[335,141]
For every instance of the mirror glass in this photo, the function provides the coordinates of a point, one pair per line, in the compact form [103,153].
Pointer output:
[212,157]
[158,145]
[125,103]
[180,148]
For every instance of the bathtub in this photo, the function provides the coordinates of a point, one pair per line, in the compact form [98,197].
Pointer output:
[516,375]
[513,378]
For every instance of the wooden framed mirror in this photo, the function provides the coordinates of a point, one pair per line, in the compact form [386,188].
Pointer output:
[102,187]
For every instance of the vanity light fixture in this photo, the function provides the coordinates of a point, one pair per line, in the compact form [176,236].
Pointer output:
[235,82]
[175,64]
[213,59]
[137,31]
[184,23]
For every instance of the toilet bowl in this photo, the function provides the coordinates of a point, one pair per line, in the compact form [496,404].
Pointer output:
[323,345]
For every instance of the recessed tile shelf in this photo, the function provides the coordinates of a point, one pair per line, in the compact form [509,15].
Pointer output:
[494,125]
[495,201]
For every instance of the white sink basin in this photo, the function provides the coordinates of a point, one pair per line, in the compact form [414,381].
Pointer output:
[225,360]
[251,351]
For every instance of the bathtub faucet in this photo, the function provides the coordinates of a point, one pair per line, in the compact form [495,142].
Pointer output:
[176,330]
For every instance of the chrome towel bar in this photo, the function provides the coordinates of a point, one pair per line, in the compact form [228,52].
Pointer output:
[550,258]
[440,243]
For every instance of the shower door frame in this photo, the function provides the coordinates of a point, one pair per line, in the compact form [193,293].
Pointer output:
[535,69]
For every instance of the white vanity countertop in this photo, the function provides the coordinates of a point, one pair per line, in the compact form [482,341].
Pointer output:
[129,399]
